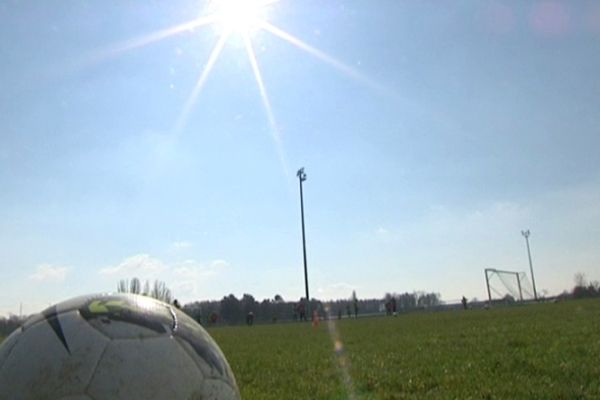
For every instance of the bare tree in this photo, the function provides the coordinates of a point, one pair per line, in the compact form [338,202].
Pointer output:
[135,286]
[123,286]
[580,280]
[159,290]
[146,291]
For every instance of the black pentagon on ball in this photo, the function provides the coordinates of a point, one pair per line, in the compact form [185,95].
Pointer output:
[189,331]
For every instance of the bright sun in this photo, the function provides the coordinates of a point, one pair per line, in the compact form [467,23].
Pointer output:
[240,16]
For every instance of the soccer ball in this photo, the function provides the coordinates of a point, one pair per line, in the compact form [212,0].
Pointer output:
[113,347]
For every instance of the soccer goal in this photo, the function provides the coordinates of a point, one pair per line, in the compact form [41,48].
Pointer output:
[503,284]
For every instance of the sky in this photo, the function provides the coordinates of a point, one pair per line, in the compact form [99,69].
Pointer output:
[139,140]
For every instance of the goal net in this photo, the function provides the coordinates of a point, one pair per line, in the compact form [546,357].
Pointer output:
[507,285]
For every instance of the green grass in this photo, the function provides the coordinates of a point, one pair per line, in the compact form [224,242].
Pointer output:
[540,351]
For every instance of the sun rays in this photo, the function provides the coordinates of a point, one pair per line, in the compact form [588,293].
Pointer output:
[324,57]
[243,18]
[153,37]
[189,104]
[266,103]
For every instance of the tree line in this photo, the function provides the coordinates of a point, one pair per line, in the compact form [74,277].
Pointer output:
[584,288]
[233,311]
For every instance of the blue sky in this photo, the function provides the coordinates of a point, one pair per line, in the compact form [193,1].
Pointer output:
[432,133]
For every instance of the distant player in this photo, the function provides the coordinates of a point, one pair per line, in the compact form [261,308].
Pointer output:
[301,311]
[315,319]
[250,318]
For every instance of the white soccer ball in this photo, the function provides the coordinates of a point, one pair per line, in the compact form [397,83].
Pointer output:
[113,347]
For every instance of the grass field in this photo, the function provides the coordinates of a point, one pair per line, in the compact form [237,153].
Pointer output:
[540,351]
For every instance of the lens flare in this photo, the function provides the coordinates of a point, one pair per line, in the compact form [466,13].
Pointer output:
[324,57]
[153,37]
[266,103]
[340,354]
[212,59]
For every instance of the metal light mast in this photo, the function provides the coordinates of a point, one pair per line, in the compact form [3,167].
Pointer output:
[526,236]
[301,178]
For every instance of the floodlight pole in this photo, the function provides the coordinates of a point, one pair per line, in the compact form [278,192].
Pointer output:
[301,178]
[526,236]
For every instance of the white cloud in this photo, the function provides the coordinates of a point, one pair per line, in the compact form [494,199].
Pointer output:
[382,231]
[190,269]
[219,264]
[388,235]
[185,278]
[189,275]
[496,216]
[140,264]
[181,245]
[49,273]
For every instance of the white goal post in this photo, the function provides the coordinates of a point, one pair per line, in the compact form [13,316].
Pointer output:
[491,272]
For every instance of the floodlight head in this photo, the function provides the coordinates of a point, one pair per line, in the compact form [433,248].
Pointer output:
[300,174]
[525,233]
